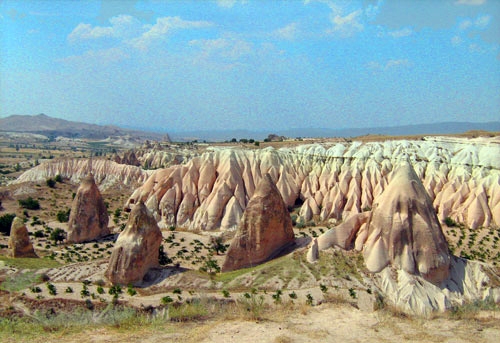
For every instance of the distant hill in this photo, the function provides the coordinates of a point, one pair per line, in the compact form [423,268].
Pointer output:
[405,130]
[55,127]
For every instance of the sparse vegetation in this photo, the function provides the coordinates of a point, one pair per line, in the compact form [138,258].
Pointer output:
[29,203]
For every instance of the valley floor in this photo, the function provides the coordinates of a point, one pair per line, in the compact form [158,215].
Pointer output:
[323,323]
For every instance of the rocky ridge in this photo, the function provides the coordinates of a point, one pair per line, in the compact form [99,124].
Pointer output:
[329,182]
[106,173]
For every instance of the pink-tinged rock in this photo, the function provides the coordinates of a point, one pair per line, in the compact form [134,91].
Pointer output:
[404,231]
[264,231]
[137,248]
[19,244]
[88,219]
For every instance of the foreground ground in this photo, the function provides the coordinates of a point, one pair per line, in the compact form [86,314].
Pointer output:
[284,323]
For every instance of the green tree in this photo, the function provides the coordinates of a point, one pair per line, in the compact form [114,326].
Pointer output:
[57,235]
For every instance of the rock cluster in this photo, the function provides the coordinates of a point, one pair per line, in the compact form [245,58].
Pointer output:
[88,219]
[264,231]
[402,231]
[136,249]
[19,244]
[331,183]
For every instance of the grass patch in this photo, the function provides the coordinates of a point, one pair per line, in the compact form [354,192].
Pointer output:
[470,310]
[19,281]
[285,268]
[29,263]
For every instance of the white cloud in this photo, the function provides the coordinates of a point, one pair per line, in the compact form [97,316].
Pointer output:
[163,27]
[456,40]
[464,25]
[475,48]
[86,31]
[482,21]
[288,32]
[122,26]
[103,57]
[470,2]
[227,48]
[401,33]
[390,64]
[226,3]
[347,25]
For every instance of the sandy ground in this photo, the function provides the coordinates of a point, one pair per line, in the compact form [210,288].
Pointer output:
[324,323]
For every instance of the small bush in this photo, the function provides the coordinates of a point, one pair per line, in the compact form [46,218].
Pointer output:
[352,293]
[29,203]
[69,290]
[36,289]
[6,223]
[450,222]
[225,293]
[52,289]
[131,291]
[309,299]
[51,183]
[166,300]
[63,216]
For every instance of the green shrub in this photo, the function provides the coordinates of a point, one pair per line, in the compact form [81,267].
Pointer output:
[6,223]
[352,293]
[51,183]
[309,299]
[29,203]
[52,289]
[63,216]
[131,291]
[450,222]
[166,300]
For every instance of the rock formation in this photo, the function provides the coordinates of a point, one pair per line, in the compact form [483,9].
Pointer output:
[265,229]
[19,242]
[106,173]
[404,231]
[332,182]
[88,219]
[136,249]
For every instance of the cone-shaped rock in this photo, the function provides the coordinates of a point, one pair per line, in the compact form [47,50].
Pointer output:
[88,219]
[265,228]
[136,249]
[19,242]
[404,231]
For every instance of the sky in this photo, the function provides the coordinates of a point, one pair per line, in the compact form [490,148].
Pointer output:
[183,65]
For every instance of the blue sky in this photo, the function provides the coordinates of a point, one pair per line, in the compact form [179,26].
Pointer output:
[258,65]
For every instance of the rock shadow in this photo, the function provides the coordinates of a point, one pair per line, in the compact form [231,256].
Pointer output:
[157,275]
[456,280]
